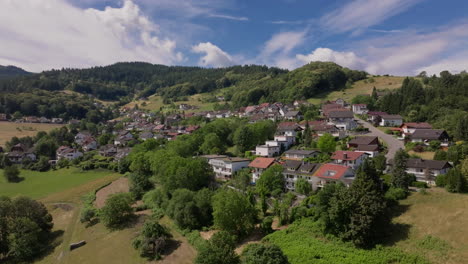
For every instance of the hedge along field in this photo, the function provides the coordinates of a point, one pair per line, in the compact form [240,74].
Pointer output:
[302,242]
[41,184]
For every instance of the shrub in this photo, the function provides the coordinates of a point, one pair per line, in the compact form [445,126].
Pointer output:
[419,184]
[88,215]
[11,174]
[266,225]
[117,211]
[419,148]
[441,180]
[388,131]
[396,194]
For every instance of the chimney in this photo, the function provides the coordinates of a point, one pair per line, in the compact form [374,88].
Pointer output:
[345,155]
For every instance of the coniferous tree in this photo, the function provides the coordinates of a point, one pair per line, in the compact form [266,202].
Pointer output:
[400,179]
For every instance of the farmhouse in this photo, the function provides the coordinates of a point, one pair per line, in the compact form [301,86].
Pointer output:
[427,170]
[259,165]
[391,120]
[19,152]
[351,159]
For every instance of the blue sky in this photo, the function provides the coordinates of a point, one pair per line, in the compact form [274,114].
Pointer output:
[401,37]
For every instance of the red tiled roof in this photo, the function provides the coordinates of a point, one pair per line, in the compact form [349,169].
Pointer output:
[350,155]
[262,163]
[331,171]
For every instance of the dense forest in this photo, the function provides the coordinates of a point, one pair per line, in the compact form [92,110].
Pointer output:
[441,101]
[249,84]
[11,71]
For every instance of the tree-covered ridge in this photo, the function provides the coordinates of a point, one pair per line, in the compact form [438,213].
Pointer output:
[250,83]
[441,101]
[11,71]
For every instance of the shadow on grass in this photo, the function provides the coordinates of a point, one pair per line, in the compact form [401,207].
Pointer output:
[54,240]
[172,245]
[397,231]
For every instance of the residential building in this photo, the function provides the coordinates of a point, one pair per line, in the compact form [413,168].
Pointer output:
[288,129]
[19,152]
[293,115]
[267,150]
[65,152]
[295,154]
[342,119]
[391,120]
[371,150]
[360,109]
[81,136]
[225,167]
[294,170]
[89,144]
[348,158]
[375,117]
[146,135]
[427,135]
[427,170]
[123,138]
[363,140]
[259,165]
[409,128]
[122,153]
[108,150]
[333,173]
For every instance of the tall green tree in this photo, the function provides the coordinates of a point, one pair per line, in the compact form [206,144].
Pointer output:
[327,143]
[117,211]
[400,179]
[271,181]
[152,239]
[455,181]
[233,212]
[219,249]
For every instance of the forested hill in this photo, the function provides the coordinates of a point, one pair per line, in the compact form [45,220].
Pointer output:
[11,71]
[250,83]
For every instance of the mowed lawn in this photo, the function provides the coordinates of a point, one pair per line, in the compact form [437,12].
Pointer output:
[444,217]
[12,129]
[41,184]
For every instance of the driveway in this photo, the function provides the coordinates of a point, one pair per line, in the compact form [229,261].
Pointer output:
[392,143]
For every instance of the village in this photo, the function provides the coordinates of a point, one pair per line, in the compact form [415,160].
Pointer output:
[337,118]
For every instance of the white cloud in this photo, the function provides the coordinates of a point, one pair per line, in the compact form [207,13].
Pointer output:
[214,56]
[284,42]
[286,22]
[346,59]
[230,17]
[44,34]
[454,64]
[361,14]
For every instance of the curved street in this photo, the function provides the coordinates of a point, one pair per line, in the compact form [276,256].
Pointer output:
[393,144]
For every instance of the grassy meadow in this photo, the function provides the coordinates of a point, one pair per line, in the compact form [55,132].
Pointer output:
[431,229]
[12,129]
[39,185]
[361,87]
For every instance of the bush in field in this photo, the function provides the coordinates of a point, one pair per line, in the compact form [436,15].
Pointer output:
[117,211]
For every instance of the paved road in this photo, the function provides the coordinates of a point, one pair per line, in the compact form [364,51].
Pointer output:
[392,143]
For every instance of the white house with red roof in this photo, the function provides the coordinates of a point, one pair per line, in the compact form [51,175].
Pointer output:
[351,159]
[259,165]
[332,173]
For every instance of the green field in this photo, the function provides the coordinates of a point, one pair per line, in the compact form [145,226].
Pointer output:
[432,228]
[41,184]
[361,87]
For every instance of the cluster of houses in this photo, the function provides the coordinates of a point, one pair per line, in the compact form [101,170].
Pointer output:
[34,119]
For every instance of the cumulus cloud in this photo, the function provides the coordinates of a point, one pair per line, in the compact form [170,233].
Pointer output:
[45,34]
[346,59]
[361,14]
[214,56]
[454,64]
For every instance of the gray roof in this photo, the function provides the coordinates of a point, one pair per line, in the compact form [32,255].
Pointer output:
[292,164]
[365,140]
[431,134]
[395,117]
[338,114]
[292,114]
[427,164]
[300,152]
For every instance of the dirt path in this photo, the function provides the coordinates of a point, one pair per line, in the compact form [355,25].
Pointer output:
[392,143]
[183,253]
[117,186]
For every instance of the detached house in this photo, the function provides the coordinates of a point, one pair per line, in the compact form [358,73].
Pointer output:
[343,119]
[364,140]
[428,135]
[360,109]
[391,120]
[294,170]
[65,152]
[351,159]
[293,115]
[259,165]
[427,170]
[81,136]
[19,152]
[328,173]
[268,150]
[89,144]
[410,128]
[123,138]
[224,167]
[108,150]
[295,154]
